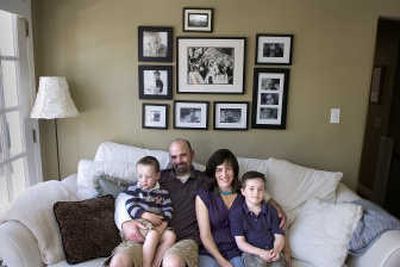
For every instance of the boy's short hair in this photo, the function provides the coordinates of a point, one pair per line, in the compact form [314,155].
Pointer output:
[253,175]
[149,160]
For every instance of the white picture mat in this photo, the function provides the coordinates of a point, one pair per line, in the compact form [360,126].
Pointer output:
[179,106]
[237,44]
[274,39]
[193,12]
[149,82]
[151,113]
[240,124]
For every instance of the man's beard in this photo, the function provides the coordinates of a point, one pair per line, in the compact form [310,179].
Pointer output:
[181,169]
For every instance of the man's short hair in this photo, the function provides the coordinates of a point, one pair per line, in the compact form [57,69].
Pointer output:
[253,175]
[149,161]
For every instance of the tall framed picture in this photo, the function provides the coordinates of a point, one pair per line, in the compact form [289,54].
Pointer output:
[191,115]
[155,116]
[211,65]
[231,115]
[274,49]
[155,43]
[155,82]
[270,94]
[197,19]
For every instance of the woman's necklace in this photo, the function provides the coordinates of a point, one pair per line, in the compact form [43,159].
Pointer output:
[226,193]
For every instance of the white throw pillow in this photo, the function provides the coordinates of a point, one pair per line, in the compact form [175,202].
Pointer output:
[252,164]
[291,185]
[89,171]
[322,231]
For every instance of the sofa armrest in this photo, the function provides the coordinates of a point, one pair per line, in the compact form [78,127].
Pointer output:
[385,252]
[18,246]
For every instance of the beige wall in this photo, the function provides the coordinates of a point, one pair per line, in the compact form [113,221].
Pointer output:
[94,44]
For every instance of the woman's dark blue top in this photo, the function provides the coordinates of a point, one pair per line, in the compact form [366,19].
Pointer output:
[218,215]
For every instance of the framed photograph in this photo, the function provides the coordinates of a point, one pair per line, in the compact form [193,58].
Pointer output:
[190,115]
[231,115]
[378,75]
[274,49]
[155,43]
[155,82]
[197,19]
[270,94]
[155,116]
[211,65]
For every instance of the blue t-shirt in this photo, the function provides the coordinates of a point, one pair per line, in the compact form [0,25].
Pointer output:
[218,215]
[258,230]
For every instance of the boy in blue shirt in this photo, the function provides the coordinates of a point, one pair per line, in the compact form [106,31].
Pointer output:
[255,225]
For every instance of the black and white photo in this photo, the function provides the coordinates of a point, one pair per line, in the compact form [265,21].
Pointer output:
[270,102]
[155,43]
[231,115]
[210,65]
[190,115]
[197,19]
[274,49]
[155,116]
[155,82]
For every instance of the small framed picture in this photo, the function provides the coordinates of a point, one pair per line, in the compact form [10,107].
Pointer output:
[155,116]
[191,115]
[270,94]
[231,115]
[197,19]
[155,82]
[213,65]
[155,43]
[274,49]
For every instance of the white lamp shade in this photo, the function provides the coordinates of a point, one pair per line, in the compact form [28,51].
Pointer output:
[53,100]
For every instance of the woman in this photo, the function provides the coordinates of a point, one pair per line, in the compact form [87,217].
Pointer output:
[212,211]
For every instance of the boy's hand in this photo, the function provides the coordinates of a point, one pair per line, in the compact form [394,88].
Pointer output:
[160,229]
[130,230]
[153,218]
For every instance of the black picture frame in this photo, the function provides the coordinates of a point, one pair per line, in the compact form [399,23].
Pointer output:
[231,115]
[155,82]
[155,116]
[270,96]
[191,115]
[211,65]
[274,49]
[155,43]
[197,19]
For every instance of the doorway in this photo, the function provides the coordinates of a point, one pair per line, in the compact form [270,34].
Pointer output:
[379,178]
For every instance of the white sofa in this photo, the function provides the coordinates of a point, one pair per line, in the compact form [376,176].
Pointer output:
[19,245]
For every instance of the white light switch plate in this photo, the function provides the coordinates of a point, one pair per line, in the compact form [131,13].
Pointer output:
[335,115]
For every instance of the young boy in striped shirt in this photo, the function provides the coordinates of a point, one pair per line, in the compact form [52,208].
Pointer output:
[152,206]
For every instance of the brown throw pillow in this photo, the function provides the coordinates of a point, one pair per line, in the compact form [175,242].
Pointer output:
[87,228]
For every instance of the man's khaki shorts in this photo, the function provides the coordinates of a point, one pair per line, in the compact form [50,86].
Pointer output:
[186,249]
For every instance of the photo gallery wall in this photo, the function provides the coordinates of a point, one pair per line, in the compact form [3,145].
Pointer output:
[212,65]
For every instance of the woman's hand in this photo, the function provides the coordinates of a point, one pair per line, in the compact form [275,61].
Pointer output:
[130,231]
[225,263]
[266,255]
[153,218]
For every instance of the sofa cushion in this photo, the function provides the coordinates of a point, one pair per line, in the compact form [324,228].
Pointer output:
[87,228]
[321,232]
[291,185]
[110,185]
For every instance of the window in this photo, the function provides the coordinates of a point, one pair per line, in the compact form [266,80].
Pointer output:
[19,153]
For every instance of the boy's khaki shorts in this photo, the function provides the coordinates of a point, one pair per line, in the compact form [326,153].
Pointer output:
[186,249]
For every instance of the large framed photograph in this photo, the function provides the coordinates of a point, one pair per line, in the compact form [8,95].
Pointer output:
[155,82]
[155,116]
[274,49]
[231,115]
[270,93]
[211,65]
[155,43]
[197,19]
[191,114]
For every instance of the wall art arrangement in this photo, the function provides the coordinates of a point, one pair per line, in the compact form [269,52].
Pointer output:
[212,65]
